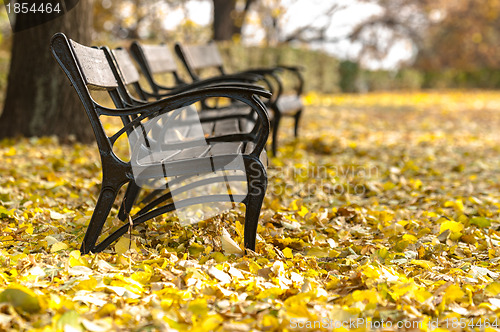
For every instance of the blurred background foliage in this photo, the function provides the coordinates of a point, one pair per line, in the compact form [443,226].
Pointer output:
[453,44]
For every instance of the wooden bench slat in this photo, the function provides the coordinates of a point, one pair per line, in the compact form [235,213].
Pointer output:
[127,67]
[159,58]
[226,127]
[202,56]
[95,67]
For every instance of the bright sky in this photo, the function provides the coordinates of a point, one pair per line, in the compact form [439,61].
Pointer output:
[299,13]
[199,11]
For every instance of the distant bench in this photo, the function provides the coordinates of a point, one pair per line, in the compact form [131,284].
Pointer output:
[156,61]
[200,57]
[161,155]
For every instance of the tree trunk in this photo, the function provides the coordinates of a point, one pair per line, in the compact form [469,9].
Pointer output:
[223,22]
[40,100]
[227,20]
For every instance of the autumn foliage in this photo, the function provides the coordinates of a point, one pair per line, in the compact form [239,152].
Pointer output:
[385,210]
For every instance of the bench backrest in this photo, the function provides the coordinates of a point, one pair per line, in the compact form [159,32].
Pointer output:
[155,60]
[94,67]
[125,69]
[199,57]
[129,72]
[89,69]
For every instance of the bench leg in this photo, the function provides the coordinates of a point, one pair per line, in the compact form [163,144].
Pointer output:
[276,124]
[130,196]
[257,185]
[297,119]
[101,212]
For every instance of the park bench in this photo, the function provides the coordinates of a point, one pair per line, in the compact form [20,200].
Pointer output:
[198,58]
[154,159]
[214,122]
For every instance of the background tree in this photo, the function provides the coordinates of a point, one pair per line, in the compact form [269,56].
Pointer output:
[229,17]
[443,34]
[395,23]
[39,99]
[132,19]
[462,35]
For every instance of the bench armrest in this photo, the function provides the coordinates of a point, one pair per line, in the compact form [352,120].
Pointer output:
[249,77]
[235,79]
[292,68]
[244,80]
[261,71]
[274,73]
[246,94]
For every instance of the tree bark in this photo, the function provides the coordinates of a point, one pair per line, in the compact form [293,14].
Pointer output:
[40,100]
[227,20]
[223,22]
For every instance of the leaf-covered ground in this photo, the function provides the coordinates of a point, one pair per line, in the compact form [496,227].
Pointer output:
[385,213]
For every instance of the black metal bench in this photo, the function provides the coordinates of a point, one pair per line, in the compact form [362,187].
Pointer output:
[197,58]
[216,122]
[175,161]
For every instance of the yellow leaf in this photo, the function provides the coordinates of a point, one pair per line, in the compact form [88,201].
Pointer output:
[452,225]
[198,307]
[388,186]
[303,211]
[319,252]
[21,298]
[287,252]
[492,289]
[211,322]
[240,229]
[228,244]
[269,323]
[421,295]
[218,257]
[453,293]
[423,263]
[208,249]
[410,238]
[128,283]
[370,296]
[29,230]
[11,152]
[88,284]
[195,249]
[370,272]
[402,289]
[124,244]
[458,205]
[58,246]
[141,277]
[308,99]
[69,321]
